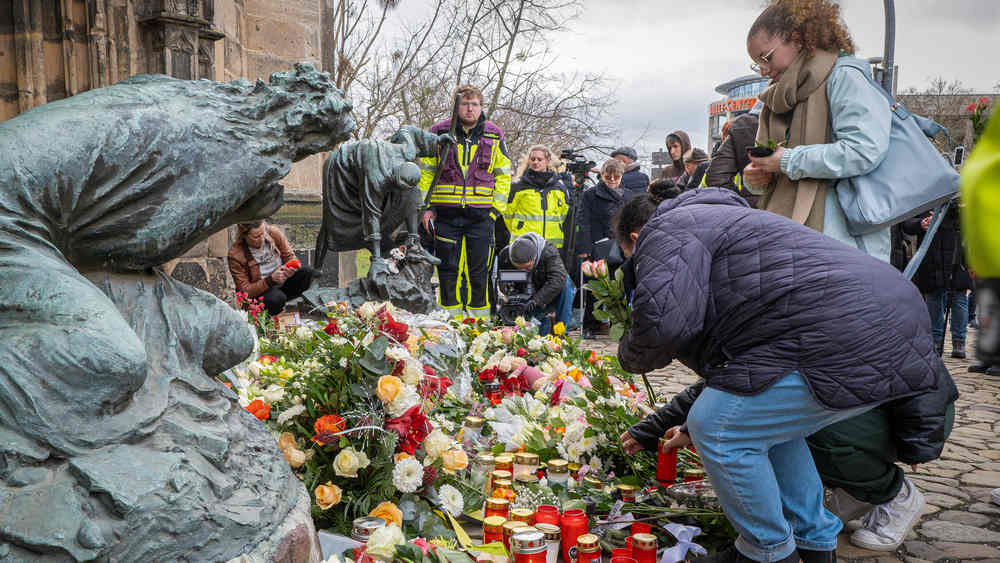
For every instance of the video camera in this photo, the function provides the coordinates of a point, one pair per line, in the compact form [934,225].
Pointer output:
[514,288]
[577,164]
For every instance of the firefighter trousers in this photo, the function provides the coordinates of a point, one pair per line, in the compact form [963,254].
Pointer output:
[463,241]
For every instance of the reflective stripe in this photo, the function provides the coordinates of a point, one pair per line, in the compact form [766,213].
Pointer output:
[479,312]
[526,217]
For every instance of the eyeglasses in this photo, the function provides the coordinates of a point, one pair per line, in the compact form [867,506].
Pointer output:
[611,177]
[765,59]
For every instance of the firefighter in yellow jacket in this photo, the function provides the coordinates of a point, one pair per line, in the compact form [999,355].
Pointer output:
[471,194]
[980,217]
[538,200]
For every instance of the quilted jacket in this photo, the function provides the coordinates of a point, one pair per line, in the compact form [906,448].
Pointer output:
[743,297]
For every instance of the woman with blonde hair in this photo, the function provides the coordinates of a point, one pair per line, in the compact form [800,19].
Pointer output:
[539,199]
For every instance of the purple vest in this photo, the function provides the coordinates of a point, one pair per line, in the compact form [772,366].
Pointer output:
[479,173]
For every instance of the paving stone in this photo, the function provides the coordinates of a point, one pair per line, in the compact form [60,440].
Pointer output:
[923,550]
[909,559]
[848,550]
[951,531]
[950,490]
[930,509]
[935,479]
[962,517]
[944,501]
[992,454]
[982,494]
[963,551]
[984,508]
[989,465]
[948,464]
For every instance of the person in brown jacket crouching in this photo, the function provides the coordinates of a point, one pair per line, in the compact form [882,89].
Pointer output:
[263,265]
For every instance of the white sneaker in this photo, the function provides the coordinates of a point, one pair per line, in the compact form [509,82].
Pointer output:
[996,496]
[885,527]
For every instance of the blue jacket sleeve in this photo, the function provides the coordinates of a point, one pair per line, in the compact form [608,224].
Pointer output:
[673,268]
[861,121]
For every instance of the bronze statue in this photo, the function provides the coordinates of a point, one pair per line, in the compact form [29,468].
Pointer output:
[116,443]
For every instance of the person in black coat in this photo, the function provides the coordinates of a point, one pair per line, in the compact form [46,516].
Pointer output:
[729,161]
[634,181]
[765,311]
[943,278]
[696,163]
[553,290]
[598,206]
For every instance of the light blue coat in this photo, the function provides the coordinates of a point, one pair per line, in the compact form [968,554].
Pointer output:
[861,124]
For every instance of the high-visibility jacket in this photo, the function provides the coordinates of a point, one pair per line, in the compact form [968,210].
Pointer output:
[475,173]
[981,203]
[538,204]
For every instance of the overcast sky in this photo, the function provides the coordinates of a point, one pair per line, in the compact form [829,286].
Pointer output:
[667,57]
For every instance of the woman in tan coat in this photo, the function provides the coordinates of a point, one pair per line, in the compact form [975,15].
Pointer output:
[261,262]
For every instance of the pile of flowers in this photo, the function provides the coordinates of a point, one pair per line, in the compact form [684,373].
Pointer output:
[370,411]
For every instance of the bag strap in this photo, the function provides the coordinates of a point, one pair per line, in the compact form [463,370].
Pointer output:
[918,256]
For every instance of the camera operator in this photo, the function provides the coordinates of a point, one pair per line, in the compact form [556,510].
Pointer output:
[554,290]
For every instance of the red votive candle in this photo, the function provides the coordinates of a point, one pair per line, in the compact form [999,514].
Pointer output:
[666,464]
[641,528]
[547,514]
[574,525]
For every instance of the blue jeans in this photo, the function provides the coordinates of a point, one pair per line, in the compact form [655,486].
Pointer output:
[755,454]
[562,306]
[937,304]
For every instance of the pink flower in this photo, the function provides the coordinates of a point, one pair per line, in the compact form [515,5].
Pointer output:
[601,269]
[423,544]
[587,268]
[970,108]
[984,102]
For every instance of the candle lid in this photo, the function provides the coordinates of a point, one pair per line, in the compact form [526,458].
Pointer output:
[491,386]
[504,458]
[644,541]
[593,481]
[626,489]
[525,458]
[521,513]
[527,479]
[510,525]
[558,466]
[365,525]
[528,541]
[587,543]
[551,531]
[484,458]
[495,523]
[474,422]
[501,474]
[500,503]
[502,483]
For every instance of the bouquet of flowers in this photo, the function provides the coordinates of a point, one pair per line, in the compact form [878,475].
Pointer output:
[612,303]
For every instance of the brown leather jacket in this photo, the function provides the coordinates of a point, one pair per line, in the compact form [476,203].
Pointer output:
[246,270]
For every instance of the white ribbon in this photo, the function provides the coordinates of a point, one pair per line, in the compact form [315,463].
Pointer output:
[684,535]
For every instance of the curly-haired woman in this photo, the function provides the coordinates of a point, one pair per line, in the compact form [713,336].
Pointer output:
[830,123]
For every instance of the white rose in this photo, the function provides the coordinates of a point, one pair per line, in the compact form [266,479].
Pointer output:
[396,353]
[413,372]
[451,499]
[436,444]
[534,345]
[383,541]
[408,475]
[403,401]
[368,310]
[349,461]
[343,362]
[273,393]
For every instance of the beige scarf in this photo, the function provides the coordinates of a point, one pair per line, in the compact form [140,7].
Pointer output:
[796,106]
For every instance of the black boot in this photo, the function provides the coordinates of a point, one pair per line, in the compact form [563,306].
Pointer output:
[733,555]
[818,556]
[958,349]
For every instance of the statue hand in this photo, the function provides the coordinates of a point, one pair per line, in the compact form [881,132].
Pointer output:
[445,138]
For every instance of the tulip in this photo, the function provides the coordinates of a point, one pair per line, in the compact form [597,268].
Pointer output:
[588,269]
[601,269]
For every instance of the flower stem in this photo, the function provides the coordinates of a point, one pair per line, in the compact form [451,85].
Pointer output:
[650,395]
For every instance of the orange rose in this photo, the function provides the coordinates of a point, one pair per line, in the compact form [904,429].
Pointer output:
[455,459]
[388,512]
[327,426]
[388,387]
[328,495]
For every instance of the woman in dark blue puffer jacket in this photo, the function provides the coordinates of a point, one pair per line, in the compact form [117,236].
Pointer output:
[791,331]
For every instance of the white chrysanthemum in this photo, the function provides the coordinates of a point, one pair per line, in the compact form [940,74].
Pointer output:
[596,464]
[403,401]
[536,409]
[396,352]
[535,344]
[408,475]
[413,372]
[343,362]
[383,541]
[451,499]
[436,444]
[303,332]
[291,413]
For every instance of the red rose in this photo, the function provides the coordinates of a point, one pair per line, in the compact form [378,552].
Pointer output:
[521,352]
[397,330]
[488,375]
[332,329]
[970,108]
[260,409]
[412,428]
[515,385]
[469,321]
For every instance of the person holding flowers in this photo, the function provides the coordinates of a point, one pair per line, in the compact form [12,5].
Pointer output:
[791,331]
[263,265]
[554,290]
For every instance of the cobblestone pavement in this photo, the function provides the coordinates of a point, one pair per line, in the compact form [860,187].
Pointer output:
[960,523]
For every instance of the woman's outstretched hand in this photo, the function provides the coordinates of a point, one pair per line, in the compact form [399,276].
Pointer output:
[629,444]
[676,438]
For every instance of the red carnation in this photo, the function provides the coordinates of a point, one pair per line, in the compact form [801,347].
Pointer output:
[412,428]
[469,321]
[332,329]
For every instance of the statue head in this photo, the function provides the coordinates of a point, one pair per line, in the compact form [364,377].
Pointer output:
[406,175]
